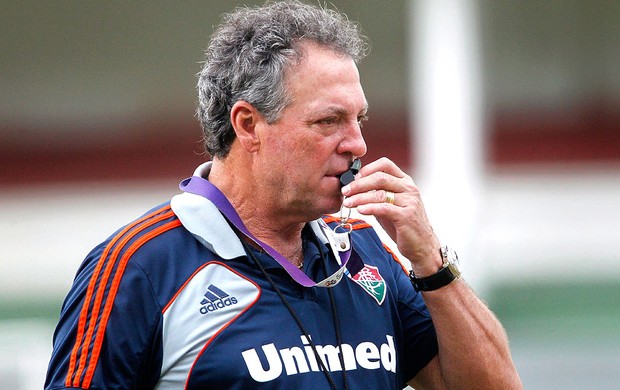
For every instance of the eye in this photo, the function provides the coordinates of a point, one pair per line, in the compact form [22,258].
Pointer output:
[328,121]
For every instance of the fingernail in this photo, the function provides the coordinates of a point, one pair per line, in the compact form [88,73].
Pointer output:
[347,202]
[346,190]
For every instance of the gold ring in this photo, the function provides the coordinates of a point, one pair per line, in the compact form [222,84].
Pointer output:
[389,197]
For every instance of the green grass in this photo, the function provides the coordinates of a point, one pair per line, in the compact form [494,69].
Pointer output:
[46,308]
[560,311]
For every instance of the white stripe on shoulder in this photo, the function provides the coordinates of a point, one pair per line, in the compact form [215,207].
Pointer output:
[210,301]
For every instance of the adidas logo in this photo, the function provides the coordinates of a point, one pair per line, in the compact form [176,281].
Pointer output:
[215,299]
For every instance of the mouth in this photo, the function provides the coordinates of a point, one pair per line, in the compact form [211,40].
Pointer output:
[334,181]
[335,173]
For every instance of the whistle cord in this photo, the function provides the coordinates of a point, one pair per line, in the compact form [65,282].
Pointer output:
[335,319]
[289,307]
[202,187]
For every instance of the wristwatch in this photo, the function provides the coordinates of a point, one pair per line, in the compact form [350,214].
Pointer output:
[446,275]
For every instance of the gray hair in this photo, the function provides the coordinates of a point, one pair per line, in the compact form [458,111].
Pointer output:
[249,54]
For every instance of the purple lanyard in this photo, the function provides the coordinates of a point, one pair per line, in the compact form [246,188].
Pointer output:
[200,186]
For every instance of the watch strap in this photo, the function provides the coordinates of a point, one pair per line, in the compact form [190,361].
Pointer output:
[446,275]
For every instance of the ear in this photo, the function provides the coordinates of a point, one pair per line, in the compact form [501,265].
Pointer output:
[244,117]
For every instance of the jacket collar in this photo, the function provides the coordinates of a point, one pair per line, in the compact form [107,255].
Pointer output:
[203,219]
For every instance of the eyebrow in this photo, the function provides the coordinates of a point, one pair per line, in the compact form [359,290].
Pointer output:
[340,111]
[365,109]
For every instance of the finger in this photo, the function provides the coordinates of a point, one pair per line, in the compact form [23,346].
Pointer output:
[378,196]
[383,164]
[374,181]
[390,197]
[379,210]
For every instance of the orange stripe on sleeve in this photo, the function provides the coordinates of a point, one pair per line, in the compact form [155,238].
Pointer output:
[102,287]
[404,267]
[112,294]
[74,373]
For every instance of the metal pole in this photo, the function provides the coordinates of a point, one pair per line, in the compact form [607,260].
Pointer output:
[447,118]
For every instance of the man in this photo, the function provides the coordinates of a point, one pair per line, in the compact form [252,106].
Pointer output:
[242,281]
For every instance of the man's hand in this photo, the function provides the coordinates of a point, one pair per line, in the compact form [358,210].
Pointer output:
[404,219]
[473,347]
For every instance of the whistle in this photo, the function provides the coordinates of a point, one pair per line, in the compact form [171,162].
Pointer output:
[349,175]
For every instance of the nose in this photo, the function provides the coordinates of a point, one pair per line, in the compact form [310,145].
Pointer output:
[353,141]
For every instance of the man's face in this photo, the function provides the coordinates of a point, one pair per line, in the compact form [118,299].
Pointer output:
[318,134]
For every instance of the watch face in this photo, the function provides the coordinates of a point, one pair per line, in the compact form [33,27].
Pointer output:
[449,256]
[452,256]
[453,262]
[448,253]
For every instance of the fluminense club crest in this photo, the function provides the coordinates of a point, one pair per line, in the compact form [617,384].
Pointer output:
[371,281]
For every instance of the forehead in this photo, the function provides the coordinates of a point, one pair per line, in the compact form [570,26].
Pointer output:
[325,78]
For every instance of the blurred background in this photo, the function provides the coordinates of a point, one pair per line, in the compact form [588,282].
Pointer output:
[506,113]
